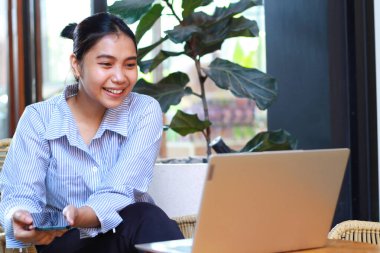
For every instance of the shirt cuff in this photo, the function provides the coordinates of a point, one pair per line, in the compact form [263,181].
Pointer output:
[11,242]
[107,212]
[108,220]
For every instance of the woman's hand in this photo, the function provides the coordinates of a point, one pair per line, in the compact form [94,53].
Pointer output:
[71,214]
[24,231]
[82,217]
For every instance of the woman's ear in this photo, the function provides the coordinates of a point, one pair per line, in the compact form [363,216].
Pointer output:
[75,66]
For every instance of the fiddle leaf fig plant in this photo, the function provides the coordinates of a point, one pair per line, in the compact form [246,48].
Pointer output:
[201,34]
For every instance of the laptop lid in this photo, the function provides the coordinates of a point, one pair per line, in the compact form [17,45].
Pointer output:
[265,202]
[269,201]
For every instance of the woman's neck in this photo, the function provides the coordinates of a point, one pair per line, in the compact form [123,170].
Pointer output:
[87,115]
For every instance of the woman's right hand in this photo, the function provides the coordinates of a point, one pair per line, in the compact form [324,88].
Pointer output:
[24,231]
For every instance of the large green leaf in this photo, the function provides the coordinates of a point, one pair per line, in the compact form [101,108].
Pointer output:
[243,82]
[209,39]
[181,33]
[235,8]
[169,91]
[243,27]
[271,140]
[145,65]
[212,37]
[189,6]
[199,19]
[130,10]
[149,65]
[185,124]
[148,20]
[218,32]
[202,19]
[206,33]
[142,52]
[197,48]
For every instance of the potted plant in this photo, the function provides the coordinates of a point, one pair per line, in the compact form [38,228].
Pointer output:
[201,34]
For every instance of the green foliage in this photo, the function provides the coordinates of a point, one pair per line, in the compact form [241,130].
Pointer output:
[201,34]
[185,124]
[271,140]
[148,20]
[131,11]
[243,82]
[169,91]
[189,6]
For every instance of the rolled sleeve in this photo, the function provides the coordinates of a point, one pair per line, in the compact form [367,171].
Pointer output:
[23,174]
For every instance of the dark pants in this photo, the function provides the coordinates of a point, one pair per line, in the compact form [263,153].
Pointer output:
[142,222]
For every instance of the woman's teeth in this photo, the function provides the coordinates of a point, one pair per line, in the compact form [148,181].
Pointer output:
[114,91]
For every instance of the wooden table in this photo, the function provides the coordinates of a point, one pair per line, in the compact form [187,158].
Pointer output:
[332,246]
[341,246]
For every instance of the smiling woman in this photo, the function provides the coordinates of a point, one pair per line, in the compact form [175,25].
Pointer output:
[111,72]
[94,147]
[106,75]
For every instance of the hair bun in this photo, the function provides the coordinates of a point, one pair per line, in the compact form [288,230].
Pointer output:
[68,31]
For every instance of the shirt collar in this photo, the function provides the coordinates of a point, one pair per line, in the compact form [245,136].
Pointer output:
[116,119]
[61,121]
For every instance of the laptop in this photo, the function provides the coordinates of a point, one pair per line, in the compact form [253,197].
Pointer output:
[265,202]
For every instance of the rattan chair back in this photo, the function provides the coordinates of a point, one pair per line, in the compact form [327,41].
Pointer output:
[358,231]
[186,225]
[4,146]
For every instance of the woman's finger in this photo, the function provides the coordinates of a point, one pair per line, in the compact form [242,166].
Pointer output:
[22,217]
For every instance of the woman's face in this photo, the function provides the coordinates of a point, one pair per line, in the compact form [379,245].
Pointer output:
[108,71]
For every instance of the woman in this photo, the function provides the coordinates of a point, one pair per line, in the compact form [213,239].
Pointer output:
[89,153]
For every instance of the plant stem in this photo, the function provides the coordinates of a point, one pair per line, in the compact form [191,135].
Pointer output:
[196,94]
[170,5]
[202,80]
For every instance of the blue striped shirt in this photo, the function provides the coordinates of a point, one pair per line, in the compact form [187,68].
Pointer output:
[49,166]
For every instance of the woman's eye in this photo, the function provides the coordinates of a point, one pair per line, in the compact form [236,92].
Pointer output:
[107,64]
[131,65]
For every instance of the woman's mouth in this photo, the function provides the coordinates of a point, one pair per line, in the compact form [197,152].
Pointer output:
[114,91]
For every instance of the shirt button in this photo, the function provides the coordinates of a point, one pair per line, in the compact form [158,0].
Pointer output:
[94,169]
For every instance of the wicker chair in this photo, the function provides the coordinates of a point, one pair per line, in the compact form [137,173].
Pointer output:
[4,145]
[185,223]
[358,231]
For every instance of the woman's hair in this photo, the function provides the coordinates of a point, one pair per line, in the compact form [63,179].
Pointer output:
[88,32]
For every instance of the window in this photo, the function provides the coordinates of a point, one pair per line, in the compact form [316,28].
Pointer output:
[4,71]
[55,49]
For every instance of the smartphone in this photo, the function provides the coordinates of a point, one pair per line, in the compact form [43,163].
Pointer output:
[45,221]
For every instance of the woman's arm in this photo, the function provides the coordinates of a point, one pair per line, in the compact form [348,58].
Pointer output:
[24,171]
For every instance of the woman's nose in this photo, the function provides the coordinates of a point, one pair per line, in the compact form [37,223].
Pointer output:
[118,76]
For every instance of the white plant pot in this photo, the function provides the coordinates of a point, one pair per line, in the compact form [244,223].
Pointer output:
[177,188]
